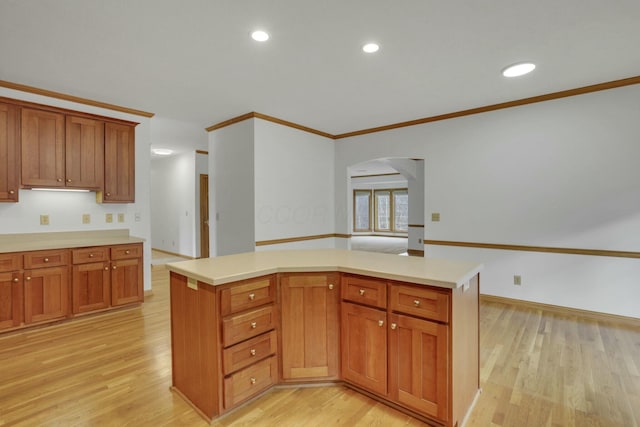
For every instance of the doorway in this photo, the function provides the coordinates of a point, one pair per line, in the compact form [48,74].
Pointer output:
[204,216]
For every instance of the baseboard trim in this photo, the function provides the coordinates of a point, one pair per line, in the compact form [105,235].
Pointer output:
[172,254]
[567,311]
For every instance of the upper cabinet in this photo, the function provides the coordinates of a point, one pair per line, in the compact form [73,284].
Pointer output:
[119,160]
[9,153]
[42,148]
[84,153]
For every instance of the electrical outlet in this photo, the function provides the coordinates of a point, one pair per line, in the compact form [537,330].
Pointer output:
[120,217]
[86,218]
[44,219]
[109,217]
[435,216]
[517,280]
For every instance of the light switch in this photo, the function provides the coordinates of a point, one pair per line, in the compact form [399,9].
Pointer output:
[44,219]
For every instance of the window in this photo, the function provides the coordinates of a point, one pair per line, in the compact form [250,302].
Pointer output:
[385,210]
[362,210]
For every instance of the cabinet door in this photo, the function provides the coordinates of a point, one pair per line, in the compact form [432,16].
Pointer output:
[9,158]
[364,347]
[119,168]
[419,365]
[310,327]
[10,300]
[42,148]
[90,287]
[84,153]
[126,281]
[46,294]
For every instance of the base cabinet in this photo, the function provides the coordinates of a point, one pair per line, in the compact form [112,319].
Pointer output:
[126,274]
[309,305]
[11,295]
[46,294]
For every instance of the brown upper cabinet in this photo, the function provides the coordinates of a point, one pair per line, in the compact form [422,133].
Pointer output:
[84,153]
[119,161]
[9,153]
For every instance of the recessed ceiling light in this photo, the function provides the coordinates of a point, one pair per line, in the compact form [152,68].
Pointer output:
[161,151]
[518,69]
[370,48]
[260,36]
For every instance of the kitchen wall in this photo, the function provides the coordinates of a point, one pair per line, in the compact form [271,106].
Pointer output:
[65,210]
[561,173]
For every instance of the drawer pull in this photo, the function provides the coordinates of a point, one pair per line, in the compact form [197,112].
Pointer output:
[15,280]
[253,325]
[380,322]
[252,297]
[253,351]
[416,302]
[330,286]
[46,260]
[91,255]
[394,326]
[361,292]
[127,252]
[252,380]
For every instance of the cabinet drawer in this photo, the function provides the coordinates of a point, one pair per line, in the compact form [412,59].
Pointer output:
[247,325]
[420,301]
[86,255]
[248,294]
[126,251]
[40,259]
[249,382]
[246,353]
[365,290]
[10,262]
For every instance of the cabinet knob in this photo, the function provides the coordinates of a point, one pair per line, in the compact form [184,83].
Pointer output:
[253,325]
[361,292]
[394,326]
[59,179]
[380,322]
[252,380]
[252,297]
[46,260]
[114,267]
[28,278]
[106,268]
[330,286]
[253,351]
[12,192]
[108,194]
[68,180]
[15,280]
[416,302]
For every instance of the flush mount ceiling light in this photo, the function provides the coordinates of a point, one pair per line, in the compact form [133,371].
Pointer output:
[519,69]
[370,47]
[260,36]
[162,151]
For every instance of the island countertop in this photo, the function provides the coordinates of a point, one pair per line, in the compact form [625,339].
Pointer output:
[426,271]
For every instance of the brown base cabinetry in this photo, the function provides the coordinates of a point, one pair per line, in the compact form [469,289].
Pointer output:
[38,287]
[412,346]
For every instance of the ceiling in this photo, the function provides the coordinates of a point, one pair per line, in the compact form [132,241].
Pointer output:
[193,60]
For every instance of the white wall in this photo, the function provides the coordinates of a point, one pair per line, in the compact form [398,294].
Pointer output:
[65,210]
[231,189]
[173,204]
[558,173]
[293,183]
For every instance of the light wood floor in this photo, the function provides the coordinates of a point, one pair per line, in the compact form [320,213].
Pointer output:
[537,369]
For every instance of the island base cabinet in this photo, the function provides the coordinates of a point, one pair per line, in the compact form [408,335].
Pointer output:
[419,365]
[250,381]
[364,347]
[46,294]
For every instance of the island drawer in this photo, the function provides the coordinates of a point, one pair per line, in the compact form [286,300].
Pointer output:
[10,262]
[50,258]
[248,294]
[420,301]
[133,250]
[246,353]
[87,255]
[364,290]
[250,381]
[241,327]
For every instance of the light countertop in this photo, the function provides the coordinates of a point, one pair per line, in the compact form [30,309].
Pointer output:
[426,271]
[68,239]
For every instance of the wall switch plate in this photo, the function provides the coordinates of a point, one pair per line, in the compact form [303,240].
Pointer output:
[435,216]
[86,218]
[108,217]
[517,280]
[44,219]
[120,217]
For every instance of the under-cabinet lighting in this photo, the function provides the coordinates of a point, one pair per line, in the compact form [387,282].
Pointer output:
[69,190]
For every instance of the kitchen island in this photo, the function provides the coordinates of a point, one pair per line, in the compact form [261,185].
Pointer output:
[402,330]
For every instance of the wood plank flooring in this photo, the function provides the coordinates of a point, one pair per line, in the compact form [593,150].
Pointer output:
[537,369]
